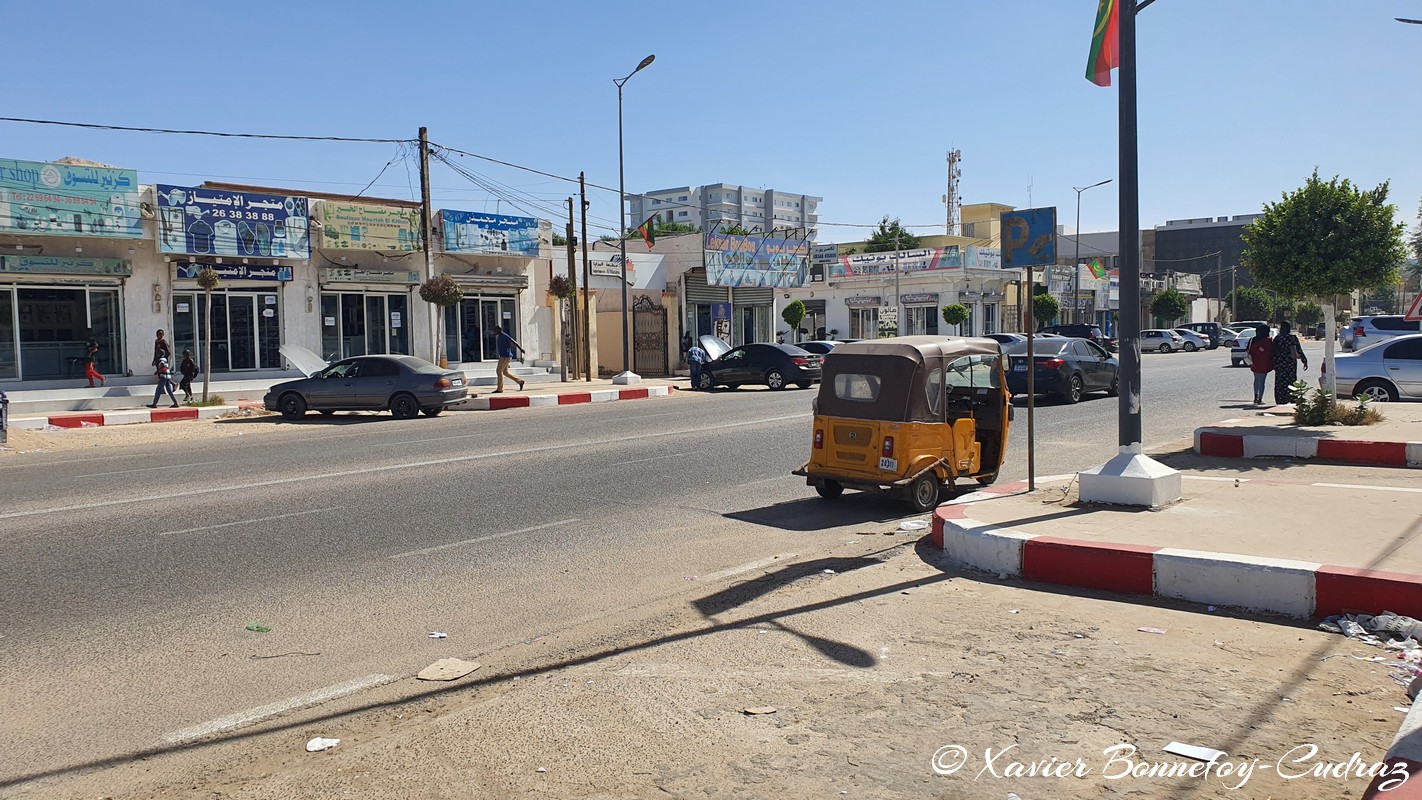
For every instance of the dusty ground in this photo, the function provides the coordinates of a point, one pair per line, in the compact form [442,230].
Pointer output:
[871,670]
[55,440]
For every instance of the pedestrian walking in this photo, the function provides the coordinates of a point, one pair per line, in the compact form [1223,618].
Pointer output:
[91,360]
[1287,352]
[506,348]
[1261,361]
[165,384]
[161,349]
[189,370]
[696,357]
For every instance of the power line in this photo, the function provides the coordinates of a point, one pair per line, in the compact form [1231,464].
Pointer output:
[96,126]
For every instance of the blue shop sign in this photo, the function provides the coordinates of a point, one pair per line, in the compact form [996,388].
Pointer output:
[217,222]
[188,271]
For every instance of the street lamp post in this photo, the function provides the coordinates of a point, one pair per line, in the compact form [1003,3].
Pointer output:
[627,375]
[1076,260]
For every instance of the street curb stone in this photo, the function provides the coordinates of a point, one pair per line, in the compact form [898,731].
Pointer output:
[1215,441]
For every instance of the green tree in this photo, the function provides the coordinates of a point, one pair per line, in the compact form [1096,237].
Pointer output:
[1307,315]
[955,314]
[1417,242]
[1250,303]
[1325,239]
[1045,308]
[208,279]
[559,240]
[889,236]
[1169,305]
[794,314]
[735,230]
[1386,299]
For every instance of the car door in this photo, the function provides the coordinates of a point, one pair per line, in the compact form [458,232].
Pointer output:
[376,382]
[1403,363]
[334,387]
[1101,370]
[734,367]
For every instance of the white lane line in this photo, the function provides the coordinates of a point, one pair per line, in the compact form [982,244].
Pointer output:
[387,468]
[259,713]
[653,458]
[436,439]
[477,539]
[1371,488]
[148,469]
[783,558]
[249,521]
[1215,478]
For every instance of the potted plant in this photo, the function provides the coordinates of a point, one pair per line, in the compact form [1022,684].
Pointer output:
[442,292]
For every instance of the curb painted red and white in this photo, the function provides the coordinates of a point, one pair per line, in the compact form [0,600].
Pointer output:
[1220,441]
[493,402]
[1281,586]
[127,416]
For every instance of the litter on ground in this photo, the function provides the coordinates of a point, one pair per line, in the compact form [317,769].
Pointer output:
[1152,630]
[1194,751]
[447,669]
[257,627]
[318,744]
[757,710]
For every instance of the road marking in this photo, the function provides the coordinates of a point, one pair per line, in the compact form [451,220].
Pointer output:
[1215,478]
[436,439]
[259,713]
[764,562]
[653,458]
[147,469]
[477,539]
[249,521]
[387,468]
[1373,488]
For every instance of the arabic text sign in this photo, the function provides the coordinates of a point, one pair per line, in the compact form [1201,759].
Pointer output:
[363,226]
[756,261]
[932,258]
[1029,237]
[188,271]
[57,265]
[69,200]
[223,223]
[822,257]
[350,275]
[470,232]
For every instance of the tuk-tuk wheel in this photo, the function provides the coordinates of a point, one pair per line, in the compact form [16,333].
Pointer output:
[923,494]
[830,490]
[988,479]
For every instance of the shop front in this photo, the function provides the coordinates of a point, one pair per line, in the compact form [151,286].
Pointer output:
[246,315]
[863,316]
[920,314]
[365,312]
[49,309]
[489,301]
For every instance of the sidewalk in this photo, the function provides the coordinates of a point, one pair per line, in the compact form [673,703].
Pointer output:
[1394,442]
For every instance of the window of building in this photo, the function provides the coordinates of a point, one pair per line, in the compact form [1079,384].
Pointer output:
[682,198]
[681,213]
[246,328]
[656,202]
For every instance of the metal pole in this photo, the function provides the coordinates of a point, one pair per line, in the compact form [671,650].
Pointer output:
[572,316]
[622,235]
[587,283]
[1031,381]
[897,310]
[1129,405]
[434,316]
[1076,262]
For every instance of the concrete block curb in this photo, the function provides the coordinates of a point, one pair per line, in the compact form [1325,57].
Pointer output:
[1280,586]
[1220,442]
[499,402]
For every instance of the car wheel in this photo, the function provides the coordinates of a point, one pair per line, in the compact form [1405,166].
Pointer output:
[775,380]
[705,383]
[1234,362]
[830,490]
[432,411]
[923,493]
[1115,387]
[1073,390]
[1190,347]
[733,386]
[404,406]
[293,406]
[804,385]
[1165,348]
[1376,391]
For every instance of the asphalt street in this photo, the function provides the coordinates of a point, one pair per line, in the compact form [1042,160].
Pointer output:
[128,575]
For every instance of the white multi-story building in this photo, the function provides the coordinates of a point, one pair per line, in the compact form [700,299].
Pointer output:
[724,204]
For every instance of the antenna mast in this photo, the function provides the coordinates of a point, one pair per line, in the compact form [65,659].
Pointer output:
[951,199]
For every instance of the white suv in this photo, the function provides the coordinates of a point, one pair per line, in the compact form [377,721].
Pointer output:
[1364,331]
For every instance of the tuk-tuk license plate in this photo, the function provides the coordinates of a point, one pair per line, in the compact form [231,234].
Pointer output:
[891,464]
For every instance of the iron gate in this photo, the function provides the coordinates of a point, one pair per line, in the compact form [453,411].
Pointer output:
[649,338]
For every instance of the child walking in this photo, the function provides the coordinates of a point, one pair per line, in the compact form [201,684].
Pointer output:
[189,368]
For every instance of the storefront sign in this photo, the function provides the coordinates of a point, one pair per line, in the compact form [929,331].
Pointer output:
[862,302]
[720,311]
[361,226]
[932,258]
[188,271]
[349,275]
[56,265]
[756,261]
[984,257]
[822,257]
[68,200]
[223,223]
[920,299]
[470,232]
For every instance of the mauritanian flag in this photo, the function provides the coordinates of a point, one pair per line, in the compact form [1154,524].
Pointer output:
[1098,270]
[1105,43]
[648,230]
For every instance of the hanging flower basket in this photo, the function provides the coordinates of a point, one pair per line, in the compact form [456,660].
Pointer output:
[441,290]
[208,278]
[561,287]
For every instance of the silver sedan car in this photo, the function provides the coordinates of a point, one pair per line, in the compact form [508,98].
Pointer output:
[404,385]
[1390,370]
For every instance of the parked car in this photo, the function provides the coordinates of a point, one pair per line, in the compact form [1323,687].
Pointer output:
[822,346]
[1213,331]
[1161,340]
[1005,340]
[1389,370]
[1193,341]
[775,365]
[1066,367]
[403,385]
[1082,330]
[1363,331]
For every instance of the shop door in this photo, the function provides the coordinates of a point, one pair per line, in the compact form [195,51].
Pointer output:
[107,326]
[9,363]
[242,331]
[375,324]
[352,326]
[51,332]
[488,320]
[649,337]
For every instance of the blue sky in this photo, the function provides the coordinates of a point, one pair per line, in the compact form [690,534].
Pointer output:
[855,102]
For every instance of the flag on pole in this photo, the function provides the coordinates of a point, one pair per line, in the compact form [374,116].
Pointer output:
[648,230]
[1105,43]
[1098,270]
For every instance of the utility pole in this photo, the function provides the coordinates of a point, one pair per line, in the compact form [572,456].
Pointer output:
[572,317]
[587,283]
[1128,427]
[425,225]
[897,327]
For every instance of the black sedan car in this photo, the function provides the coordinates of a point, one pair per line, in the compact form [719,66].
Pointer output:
[775,365]
[1067,368]
[404,385]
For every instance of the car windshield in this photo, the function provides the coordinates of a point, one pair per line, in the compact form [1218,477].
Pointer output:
[1044,347]
[340,369]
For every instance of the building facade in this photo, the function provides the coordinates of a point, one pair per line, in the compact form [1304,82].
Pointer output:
[721,205]
[1210,248]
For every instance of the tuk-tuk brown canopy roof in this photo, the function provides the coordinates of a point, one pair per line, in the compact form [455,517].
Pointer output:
[902,366]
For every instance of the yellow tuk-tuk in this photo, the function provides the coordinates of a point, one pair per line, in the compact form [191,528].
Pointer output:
[909,415]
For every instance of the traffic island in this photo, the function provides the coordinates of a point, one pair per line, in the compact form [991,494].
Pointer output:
[1394,442]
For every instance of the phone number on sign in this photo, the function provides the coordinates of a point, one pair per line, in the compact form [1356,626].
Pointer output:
[255,216]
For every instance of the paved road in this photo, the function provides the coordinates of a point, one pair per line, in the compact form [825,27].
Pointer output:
[127,576]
